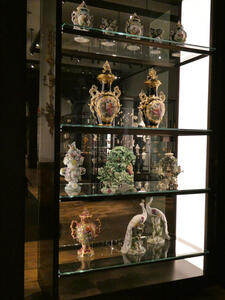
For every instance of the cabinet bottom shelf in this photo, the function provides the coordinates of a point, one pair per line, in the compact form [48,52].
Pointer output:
[128,282]
[107,255]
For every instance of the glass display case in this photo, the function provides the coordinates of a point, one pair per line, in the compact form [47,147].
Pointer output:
[123,179]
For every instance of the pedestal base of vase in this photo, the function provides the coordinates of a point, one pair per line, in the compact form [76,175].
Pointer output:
[105,124]
[152,126]
[85,252]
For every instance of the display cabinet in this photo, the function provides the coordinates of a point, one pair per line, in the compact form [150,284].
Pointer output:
[122,160]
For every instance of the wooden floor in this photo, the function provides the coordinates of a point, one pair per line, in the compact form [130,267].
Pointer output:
[31,288]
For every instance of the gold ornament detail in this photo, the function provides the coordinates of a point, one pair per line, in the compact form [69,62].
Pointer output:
[152,106]
[105,105]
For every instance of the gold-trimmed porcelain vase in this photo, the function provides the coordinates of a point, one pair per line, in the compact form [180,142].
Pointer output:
[105,105]
[152,105]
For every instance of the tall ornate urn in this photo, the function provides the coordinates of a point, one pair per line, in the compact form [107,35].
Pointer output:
[85,232]
[105,104]
[152,104]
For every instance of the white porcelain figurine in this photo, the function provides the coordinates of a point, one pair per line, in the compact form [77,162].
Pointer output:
[159,225]
[73,170]
[132,243]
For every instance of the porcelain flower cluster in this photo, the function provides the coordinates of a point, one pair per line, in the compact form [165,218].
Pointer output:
[117,175]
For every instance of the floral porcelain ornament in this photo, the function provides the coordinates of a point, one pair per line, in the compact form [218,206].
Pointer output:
[179,35]
[105,105]
[85,232]
[117,175]
[168,170]
[152,106]
[73,171]
[81,16]
[134,27]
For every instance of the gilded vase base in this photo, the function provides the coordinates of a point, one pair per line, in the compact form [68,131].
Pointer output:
[152,126]
[85,252]
[104,124]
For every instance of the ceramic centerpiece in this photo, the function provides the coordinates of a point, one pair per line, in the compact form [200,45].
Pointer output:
[81,17]
[105,105]
[117,175]
[152,104]
[168,170]
[85,231]
[178,35]
[134,27]
[73,170]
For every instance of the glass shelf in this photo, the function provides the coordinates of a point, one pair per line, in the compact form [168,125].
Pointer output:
[131,130]
[143,189]
[108,255]
[115,46]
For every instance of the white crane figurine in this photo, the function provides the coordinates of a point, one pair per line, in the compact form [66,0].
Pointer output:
[159,231]
[132,242]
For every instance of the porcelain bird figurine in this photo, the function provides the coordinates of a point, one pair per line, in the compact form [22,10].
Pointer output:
[132,243]
[157,217]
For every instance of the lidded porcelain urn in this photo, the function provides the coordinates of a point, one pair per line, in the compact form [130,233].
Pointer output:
[179,35]
[152,105]
[134,25]
[105,105]
[81,16]
[85,231]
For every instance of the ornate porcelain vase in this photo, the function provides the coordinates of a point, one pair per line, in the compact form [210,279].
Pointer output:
[152,105]
[105,105]
[168,170]
[85,231]
[179,35]
[134,27]
[81,16]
